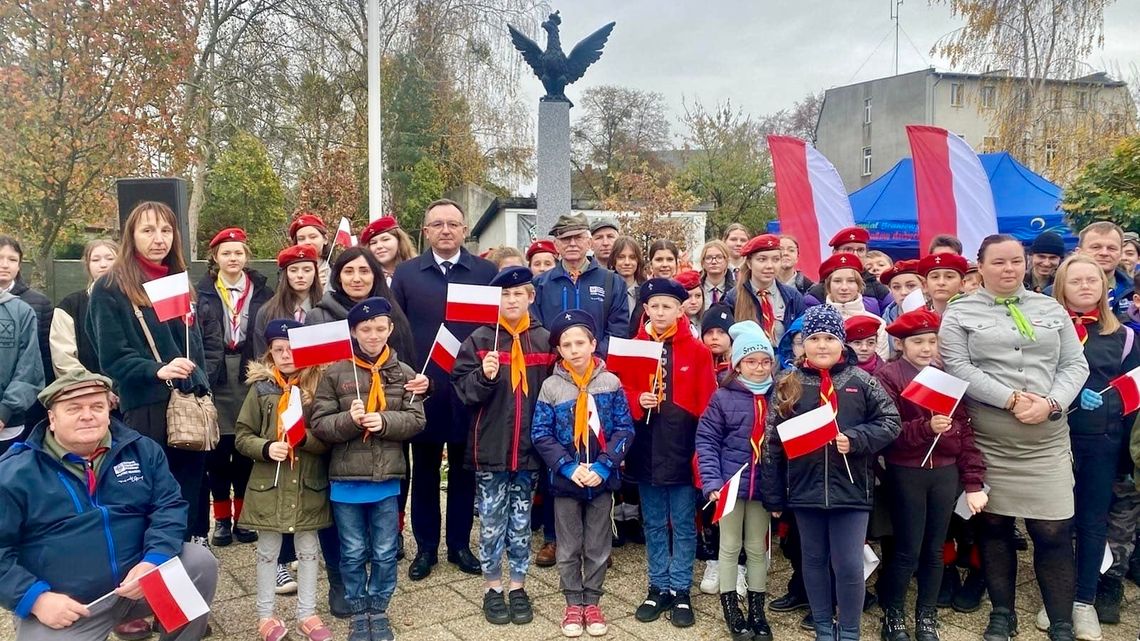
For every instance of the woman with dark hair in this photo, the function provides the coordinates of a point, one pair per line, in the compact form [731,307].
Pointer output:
[230,295]
[627,261]
[1020,354]
[117,312]
[298,291]
[11,255]
[71,347]
[664,258]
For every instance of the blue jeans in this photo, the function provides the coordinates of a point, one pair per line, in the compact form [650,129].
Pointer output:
[1094,470]
[662,507]
[368,533]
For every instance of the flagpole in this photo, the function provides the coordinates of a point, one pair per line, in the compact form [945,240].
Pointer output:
[187,326]
[277,474]
[137,578]
[847,465]
[355,379]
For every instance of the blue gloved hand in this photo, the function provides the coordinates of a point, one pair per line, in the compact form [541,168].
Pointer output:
[1090,400]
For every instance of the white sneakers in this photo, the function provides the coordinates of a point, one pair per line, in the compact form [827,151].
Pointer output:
[1086,625]
[710,582]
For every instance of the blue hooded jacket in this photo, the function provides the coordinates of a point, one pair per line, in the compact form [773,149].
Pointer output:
[785,355]
[598,291]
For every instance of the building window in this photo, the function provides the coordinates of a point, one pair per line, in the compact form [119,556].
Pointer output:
[866,161]
[867,111]
[1083,100]
[1050,152]
[989,144]
[989,96]
[1057,100]
[955,94]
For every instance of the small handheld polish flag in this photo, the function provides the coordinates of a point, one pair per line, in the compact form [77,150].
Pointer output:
[1128,386]
[809,431]
[445,349]
[914,300]
[169,296]
[936,391]
[633,360]
[172,596]
[320,344]
[473,304]
[293,420]
[727,500]
[344,237]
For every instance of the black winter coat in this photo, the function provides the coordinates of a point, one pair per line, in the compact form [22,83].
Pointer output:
[819,480]
[213,316]
[498,439]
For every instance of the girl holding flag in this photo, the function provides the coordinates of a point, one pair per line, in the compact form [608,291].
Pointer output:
[923,491]
[582,430]
[288,486]
[827,483]
[365,408]
[1098,427]
[730,435]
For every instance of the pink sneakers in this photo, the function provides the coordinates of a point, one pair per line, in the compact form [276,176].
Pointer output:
[572,621]
[595,621]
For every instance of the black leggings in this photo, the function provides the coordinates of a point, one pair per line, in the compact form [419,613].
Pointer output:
[227,468]
[921,504]
[1052,562]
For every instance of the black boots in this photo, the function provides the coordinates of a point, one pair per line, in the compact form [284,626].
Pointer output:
[893,627]
[733,617]
[757,620]
[1109,592]
[925,623]
[223,533]
[969,597]
[1002,626]
[1061,632]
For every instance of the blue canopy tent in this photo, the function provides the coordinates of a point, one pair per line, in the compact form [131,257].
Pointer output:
[1027,205]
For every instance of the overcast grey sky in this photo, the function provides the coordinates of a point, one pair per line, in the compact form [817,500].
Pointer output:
[764,54]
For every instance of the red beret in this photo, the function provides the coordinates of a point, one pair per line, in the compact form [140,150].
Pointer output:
[540,247]
[761,243]
[840,261]
[850,235]
[919,321]
[899,268]
[296,254]
[306,220]
[860,327]
[228,235]
[689,279]
[942,261]
[377,227]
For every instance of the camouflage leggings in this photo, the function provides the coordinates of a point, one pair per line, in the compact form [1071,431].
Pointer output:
[504,515]
[1123,517]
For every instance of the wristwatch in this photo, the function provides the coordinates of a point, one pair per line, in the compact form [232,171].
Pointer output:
[1055,412]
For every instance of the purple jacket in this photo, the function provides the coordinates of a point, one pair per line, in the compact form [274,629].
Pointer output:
[722,441]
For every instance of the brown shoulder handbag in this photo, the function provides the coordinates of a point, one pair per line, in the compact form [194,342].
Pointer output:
[191,420]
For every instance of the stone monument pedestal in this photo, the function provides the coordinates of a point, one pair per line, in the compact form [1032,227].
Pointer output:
[553,163]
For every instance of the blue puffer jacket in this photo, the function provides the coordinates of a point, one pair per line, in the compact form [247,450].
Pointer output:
[723,440]
[598,291]
[552,431]
[785,352]
[56,536]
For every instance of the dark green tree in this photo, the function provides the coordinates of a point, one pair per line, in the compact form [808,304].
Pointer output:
[1107,189]
[242,190]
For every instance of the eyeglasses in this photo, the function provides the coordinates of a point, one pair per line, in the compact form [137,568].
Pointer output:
[714,258]
[449,224]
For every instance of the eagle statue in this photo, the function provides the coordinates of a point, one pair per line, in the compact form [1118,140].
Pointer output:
[553,67]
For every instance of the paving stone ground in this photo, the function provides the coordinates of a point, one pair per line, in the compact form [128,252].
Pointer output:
[447,606]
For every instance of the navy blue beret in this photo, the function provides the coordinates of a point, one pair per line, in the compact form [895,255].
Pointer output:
[512,276]
[279,328]
[367,309]
[566,320]
[662,287]
[717,316]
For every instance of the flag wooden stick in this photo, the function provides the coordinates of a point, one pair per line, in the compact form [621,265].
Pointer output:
[356,380]
[187,326]
[277,474]
[848,466]
[706,506]
[1100,392]
[426,363]
[112,592]
[931,450]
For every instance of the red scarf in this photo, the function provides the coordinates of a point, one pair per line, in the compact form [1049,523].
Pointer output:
[827,391]
[151,270]
[1081,321]
[758,420]
[767,315]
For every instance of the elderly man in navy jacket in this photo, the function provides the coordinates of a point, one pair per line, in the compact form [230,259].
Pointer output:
[87,506]
[579,282]
[420,288]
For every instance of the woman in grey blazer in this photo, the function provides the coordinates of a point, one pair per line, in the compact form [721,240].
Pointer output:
[1024,363]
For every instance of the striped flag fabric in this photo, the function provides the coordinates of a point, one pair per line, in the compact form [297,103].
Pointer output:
[172,596]
[633,359]
[811,201]
[472,304]
[809,431]
[1128,386]
[293,419]
[726,503]
[344,237]
[951,188]
[445,349]
[320,344]
[935,390]
[169,296]
[914,300]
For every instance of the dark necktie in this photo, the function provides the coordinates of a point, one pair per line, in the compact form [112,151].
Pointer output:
[715,295]
[446,265]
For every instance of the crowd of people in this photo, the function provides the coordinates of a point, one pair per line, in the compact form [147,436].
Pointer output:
[541,436]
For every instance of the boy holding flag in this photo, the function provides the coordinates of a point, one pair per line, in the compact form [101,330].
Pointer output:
[497,375]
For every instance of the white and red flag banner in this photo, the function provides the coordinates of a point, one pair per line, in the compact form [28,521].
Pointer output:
[320,344]
[914,300]
[936,391]
[951,188]
[169,296]
[631,359]
[811,201]
[727,501]
[344,234]
[473,304]
[445,349]
[293,419]
[172,596]
[809,431]
[1128,386]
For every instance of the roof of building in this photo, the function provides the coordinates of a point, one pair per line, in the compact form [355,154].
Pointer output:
[1099,79]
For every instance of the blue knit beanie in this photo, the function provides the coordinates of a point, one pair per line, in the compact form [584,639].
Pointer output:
[748,338]
[824,319]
